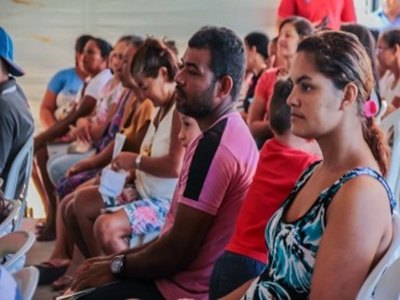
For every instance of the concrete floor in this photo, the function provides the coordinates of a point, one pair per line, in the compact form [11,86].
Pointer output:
[39,252]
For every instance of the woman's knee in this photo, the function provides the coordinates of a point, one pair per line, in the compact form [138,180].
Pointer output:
[67,211]
[86,202]
[110,228]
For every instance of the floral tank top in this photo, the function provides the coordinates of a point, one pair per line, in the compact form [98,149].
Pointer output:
[293,246]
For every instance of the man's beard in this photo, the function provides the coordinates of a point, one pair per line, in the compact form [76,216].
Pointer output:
[197,107]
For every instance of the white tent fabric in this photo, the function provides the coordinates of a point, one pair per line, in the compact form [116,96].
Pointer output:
[44,30]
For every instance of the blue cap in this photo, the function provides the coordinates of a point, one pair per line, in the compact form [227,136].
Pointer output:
[7,53]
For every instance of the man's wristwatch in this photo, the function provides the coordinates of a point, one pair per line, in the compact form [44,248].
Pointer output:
[117,265]
[138,160]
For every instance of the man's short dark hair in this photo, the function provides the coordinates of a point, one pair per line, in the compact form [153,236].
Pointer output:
[258,40]
[279,110]
[227,53]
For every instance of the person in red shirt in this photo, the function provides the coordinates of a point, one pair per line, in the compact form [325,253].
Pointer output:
[291,31]
[282,160]
[322,13]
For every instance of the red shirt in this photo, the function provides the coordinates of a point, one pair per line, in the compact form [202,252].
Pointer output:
[278,169]
[338,11]
[265,86]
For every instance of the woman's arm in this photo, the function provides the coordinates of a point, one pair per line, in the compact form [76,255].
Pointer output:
[96,129]
[99,160]
[60,128]
[167,166]
[357,234]
[47,109]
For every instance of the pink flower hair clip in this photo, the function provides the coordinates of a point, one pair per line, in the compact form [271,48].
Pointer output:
[370,108]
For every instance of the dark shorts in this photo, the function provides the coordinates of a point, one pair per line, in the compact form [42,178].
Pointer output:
[232,270]
[140,289]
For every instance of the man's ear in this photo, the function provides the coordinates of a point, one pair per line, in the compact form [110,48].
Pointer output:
[350,94]
[164,73]
[225,85]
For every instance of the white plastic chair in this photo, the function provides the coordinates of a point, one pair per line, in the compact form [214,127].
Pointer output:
[10,223]
[388,287]
[382,110]
[13,249]
[18,177]
[27,279]
[392,121]
[391,255]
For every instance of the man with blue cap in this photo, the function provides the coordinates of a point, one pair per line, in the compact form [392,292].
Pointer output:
[16,122]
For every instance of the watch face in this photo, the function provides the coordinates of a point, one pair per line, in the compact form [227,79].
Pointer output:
[116,265]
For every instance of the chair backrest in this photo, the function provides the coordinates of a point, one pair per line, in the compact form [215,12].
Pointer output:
[27,279]
[18,177]
[382,110]
[390,256]
[13,249]
[392,121]
[388,287]
[10,223]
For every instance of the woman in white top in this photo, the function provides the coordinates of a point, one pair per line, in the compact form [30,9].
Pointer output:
[155,169]
[88,130]
[95,57]
[389,60]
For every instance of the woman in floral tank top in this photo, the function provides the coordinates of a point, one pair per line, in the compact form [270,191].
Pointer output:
[336,224]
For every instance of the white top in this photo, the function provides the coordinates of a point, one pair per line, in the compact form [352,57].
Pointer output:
[156,143]
[95,86]
[385,86]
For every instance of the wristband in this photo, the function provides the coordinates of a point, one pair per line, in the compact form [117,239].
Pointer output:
[138,160]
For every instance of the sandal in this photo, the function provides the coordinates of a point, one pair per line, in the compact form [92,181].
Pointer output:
[62,283]
[40,227]
[46,235]
[48,272]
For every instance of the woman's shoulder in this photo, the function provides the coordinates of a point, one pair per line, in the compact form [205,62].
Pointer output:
[365,184]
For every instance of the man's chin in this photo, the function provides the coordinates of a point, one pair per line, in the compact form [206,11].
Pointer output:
[180,108]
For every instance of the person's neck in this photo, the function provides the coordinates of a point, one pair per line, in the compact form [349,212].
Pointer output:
[3,72]
[164,109]
[396,70]
[286,64]
[392,13]
[345,149]
[224,108]
[292,141]
[258,68]
[81,73]
[101,68]
[4,77]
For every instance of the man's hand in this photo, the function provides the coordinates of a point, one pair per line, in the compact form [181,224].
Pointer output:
[92,273]
[124,161]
